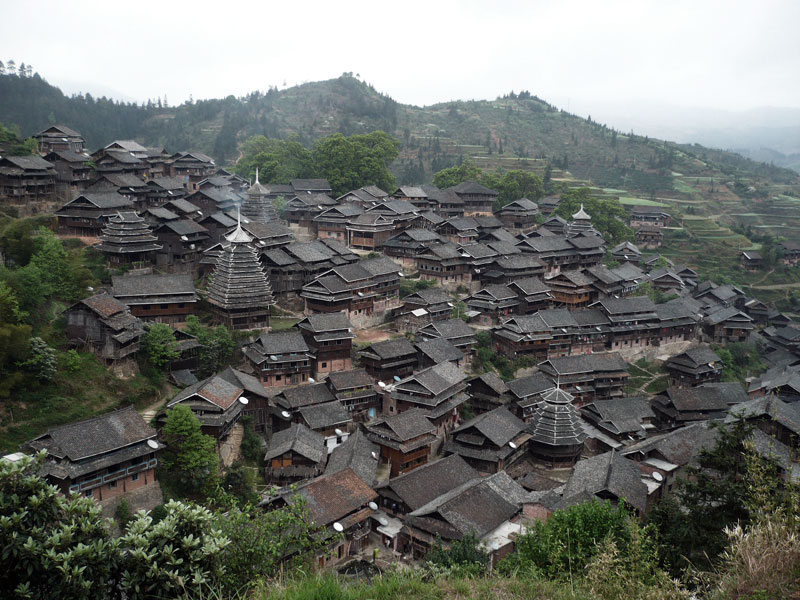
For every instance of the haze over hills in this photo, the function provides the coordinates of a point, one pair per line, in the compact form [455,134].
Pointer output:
[513,131]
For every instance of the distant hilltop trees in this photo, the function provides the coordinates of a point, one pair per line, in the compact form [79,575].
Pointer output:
[10,68]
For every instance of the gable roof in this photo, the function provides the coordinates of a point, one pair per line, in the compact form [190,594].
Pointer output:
[431,480]
[300,439]
[334,496]
[95,436]
[609,472]
[355,453]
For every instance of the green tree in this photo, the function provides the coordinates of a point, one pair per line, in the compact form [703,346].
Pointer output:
[465,554]
[216,345]
[277,161]
[514,185]
[14,339]
[565,543]
[713,495]
[608,216]
[160,345]
[178,556]
[451,176]
[41,361]
[192,456]
[352,162]
[52,546]
[265,544]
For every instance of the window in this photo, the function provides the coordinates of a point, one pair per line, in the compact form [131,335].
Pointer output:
[135,477]
[112,485]
[324,365]
[88,493]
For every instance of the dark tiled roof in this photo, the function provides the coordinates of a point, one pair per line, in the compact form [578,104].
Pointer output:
[392,348]
[106,433]
[609,472]
[305,395]
[355,453]
[334,496]
[326,322]
[440,350]
[300,439]
[431,480]
[152,285]
[408,424]
[324,415]
[283,342]
[499,426]
[342,380]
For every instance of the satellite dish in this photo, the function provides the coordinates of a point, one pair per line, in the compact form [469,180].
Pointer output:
[381,384]
[401,274]
[273,357]
[243,400]
[89,288]
[153,444]
[338,432]
[184,238]
[311,380]
[375,455]
[512,445]
[191,247]
[338,527]
[658,476]
[285,414]
[383,521]
[373,506]
[396,378]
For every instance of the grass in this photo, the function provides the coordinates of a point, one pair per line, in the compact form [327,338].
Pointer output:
[658,385]
[89,390]
[282,323]
[631,201]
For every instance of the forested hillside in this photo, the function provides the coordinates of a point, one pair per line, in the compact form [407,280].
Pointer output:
[517,130]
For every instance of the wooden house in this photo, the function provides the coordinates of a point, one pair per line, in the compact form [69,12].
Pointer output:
[414,489]
[490,442]
[751,260]
[679,406]
[622,419]
[651,216]
[455,331]
[533,294]
[356,390]
[404,440]
[73,170]
[182,242]
[413,195]
[526,394]
[520,216]
[423,307]
[649,236]
[505,269]
[611,477]
[727,324]
[258,405]
[456,514]
[478,199]
[59,138]
[438,391]
[216,402]
[588,377]
[486,392]
[330,338]
[459,230]
[388,359]
[406,246]
[438,350]
[104,457]
[633,321]
[444,264]
[294,454]
[302,208]
[105,326]
[361,289]
[791,252]
[338,503]
[280,359]
[26,179]
[192,166]
[332,222]
[693,367]
[445,203]
[493,302]
[159,298]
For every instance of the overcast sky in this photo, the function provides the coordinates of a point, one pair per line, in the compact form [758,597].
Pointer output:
[630,56]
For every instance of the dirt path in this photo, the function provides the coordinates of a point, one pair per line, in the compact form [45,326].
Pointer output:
[771,271]
[779,286]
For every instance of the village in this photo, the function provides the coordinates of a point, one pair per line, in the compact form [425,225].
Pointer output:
[417,366]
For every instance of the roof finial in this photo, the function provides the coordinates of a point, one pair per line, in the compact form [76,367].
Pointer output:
[256,175]
[239,235]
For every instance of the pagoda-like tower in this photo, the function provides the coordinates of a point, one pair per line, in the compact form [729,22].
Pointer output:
[258,206]
[238,290]
[128,239]
[581,224]
[557,433]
